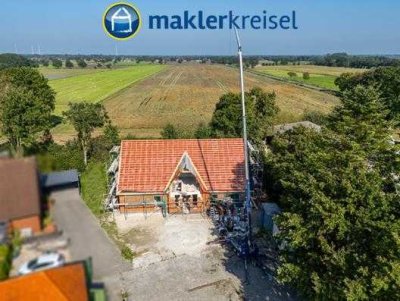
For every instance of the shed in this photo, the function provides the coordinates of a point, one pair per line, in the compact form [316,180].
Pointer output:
[60,180]
[269,211]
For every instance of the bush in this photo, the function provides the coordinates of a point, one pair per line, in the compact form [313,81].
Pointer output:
[5,261]
[81,63]
[69,64]
[306,75]
[170,132]
[61,157]
[56,63]
[292,74]
[127,253]
[315,117]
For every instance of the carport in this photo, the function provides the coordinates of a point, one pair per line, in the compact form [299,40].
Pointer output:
[60,180]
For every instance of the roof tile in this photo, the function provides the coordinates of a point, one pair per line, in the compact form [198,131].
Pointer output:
[147,165]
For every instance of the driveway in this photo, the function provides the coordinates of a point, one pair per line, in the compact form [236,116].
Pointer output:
[87,238]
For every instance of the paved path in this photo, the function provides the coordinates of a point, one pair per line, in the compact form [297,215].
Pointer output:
[88,239]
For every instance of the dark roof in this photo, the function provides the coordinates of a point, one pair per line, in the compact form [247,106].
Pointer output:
[19,188]
[60,178]
[282,128]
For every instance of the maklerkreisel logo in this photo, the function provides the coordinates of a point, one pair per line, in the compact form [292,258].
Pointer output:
[122,21]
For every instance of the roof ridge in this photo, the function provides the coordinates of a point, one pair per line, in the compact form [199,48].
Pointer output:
[45,274]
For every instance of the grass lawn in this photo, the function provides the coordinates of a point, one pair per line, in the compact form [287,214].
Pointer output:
[97,86]
[93,185]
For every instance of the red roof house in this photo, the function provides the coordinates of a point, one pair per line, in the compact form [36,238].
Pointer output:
[67,283]
[20,194]
[184,172]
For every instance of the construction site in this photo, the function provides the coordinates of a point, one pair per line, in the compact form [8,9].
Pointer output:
[191,239]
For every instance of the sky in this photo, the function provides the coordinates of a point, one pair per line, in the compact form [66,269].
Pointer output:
[324,26]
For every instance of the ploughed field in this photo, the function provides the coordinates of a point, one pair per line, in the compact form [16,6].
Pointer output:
[141,100]
[185,95]
[320,76]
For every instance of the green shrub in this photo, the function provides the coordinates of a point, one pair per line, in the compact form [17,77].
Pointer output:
[5,261]
[127,253]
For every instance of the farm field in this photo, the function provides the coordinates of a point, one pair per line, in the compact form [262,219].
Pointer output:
[97,85]
[320,76]
[54,73]
[185,95]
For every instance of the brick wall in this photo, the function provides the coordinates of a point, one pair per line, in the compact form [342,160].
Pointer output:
[32,222]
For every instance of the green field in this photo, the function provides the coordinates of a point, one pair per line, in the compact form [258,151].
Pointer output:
[319,80]
[97,86]
[54,73]
[320,76]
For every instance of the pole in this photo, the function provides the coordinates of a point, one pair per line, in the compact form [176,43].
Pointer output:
[244,118]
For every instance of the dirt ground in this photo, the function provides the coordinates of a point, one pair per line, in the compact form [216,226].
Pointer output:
[177,259]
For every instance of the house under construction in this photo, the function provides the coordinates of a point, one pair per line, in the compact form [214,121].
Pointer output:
[178,176]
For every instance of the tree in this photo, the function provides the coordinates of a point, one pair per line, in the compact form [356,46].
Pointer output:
[81,63]
[306,75]
[203,131]
[85,117]
[292,74]
[11,60]
[362,117]
[69,64]
[56,63]
[170,132]
[384,80]
[339,230]
[111,133]
[26,105]
[260,109]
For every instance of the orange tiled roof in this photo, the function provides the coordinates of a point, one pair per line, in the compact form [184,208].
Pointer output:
[148,165]
[67,283]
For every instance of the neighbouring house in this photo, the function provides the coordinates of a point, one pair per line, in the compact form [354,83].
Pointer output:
[71,282]
[20,197]
[183,174]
